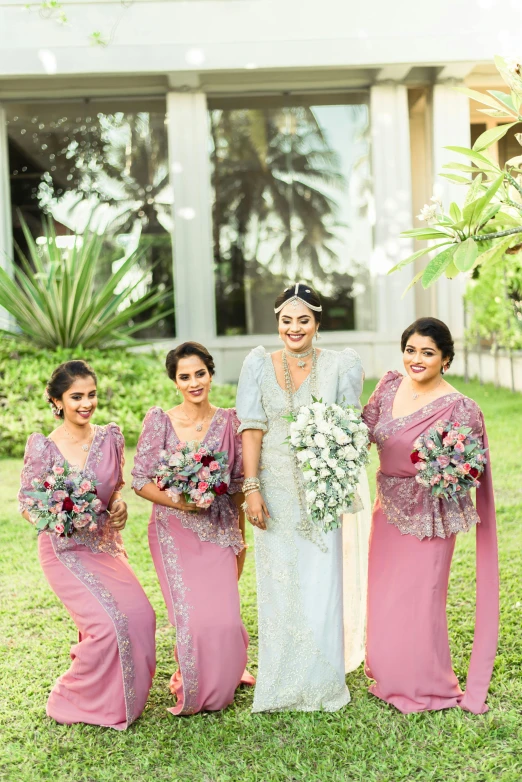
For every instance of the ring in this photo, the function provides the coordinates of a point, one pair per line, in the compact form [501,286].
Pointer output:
[254,518]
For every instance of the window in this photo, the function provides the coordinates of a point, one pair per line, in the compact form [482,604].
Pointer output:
[291,184]
[102,163]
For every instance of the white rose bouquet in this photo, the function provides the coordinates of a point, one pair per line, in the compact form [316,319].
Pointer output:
[330,443]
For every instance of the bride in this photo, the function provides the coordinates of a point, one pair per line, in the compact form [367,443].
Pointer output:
[311,625]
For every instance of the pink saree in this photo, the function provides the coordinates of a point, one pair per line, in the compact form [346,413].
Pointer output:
[114,660]
[411,548]
[195,559]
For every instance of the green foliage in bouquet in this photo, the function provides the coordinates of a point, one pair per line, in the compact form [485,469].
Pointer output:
[58,302]
[488,225]
[128,385]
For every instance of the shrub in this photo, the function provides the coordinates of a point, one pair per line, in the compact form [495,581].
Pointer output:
[129,384]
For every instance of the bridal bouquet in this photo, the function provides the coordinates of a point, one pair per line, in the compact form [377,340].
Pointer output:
[449,460]
[64,501]
[193,472]
[330,443]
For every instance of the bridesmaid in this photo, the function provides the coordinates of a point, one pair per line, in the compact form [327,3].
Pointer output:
[198,555]
[114,660]
[413,538]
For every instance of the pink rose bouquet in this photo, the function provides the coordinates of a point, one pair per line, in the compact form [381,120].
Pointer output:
[63,501]
[448,459]
[193,473]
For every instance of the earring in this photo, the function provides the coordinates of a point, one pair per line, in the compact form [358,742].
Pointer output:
[317,334]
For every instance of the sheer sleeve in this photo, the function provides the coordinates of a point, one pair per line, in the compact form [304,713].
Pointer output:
[119,445]
[249,404]
[351,375]
[150,443]
[372,409]
[236,474]
[37,462]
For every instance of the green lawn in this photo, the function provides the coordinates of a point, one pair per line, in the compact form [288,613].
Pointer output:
[366,741]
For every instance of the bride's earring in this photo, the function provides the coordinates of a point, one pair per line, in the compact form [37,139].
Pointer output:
[317,334]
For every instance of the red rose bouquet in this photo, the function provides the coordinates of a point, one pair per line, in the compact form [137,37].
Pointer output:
[448,459]
[64,501]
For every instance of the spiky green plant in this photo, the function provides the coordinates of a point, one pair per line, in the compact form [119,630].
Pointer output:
[57,301]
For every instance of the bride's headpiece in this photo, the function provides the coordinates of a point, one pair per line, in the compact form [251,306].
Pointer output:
[295,299]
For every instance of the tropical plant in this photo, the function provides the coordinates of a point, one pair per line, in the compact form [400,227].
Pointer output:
[57,301]
[487,226]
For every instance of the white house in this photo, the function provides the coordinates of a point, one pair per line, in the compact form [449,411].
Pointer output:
[270,140]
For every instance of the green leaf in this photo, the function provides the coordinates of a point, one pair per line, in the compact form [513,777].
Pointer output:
[494,253]
[413,282]
[451,271]
[504,220]
[481,160]
[437,266]
[465,255]
[455,212]
[505,98]
[480,97]
[460,180]
[491,136]
[474,210]
[415,255]
[474,191]
[424,233]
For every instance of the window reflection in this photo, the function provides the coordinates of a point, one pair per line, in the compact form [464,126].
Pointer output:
[103,164]
[291,186]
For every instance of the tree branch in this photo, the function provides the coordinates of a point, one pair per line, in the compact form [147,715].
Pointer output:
[497,235]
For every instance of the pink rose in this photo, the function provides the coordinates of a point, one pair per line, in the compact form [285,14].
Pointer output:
[435,479]
[59,495]
[77,509]
[213,466]
[175,459]
[174,496]
[202,487]
[49,481]
[180,446]
[85,486]
[204,474]
[97,505]
[59,528]
[57,469]
[459,447]
[466,467]
[430,445]
[420,465]
[443,460]
[198,457]
[56,508]
[83,520]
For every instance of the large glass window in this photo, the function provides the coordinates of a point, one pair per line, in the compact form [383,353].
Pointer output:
[291,182]
[103,164]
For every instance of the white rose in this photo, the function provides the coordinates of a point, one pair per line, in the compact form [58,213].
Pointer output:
[310,496]
[319,504]
[320,440]
[349,453]
[324,473]
[331,463]
[336,486]
[329,517]
[314,463]
[321,487]
[324,427]
[325,453]
[339,472]
[304,456]
[332,502]
[309,441]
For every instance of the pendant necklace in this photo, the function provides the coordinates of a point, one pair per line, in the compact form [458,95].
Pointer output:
[416,394]
[198,426]
[83,446]
[301,364]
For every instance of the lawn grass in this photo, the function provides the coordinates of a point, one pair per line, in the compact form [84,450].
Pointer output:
[367,741]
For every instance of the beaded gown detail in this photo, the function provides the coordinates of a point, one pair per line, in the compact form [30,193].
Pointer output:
[195,559]
[114,660]
[411,549]
[309,631]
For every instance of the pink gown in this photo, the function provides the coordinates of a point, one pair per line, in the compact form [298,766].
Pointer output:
[195,559]
[411,548]
[114,660]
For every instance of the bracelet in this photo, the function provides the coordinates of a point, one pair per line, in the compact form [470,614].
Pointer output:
[250,491]
[118,499]
[250,484]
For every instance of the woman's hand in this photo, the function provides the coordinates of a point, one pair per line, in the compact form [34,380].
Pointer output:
[188,507]
[257,511]
[118,514]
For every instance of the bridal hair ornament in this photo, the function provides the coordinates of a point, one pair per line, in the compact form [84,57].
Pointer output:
[295,299]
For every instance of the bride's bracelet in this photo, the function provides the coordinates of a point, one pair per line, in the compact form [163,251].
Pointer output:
[251,484]
[250,491]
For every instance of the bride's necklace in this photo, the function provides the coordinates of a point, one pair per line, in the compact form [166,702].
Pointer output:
[83,446]
[417,394]
[198,424]
[289,382]
[301,364]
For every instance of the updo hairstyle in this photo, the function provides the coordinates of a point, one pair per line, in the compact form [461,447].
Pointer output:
[435,330]
[62,379]
[304,292]
[185,350]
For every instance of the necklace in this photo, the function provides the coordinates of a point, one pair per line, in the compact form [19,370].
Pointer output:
[301,364]
[83,446]
[416,394]
[289,382]
[198,425]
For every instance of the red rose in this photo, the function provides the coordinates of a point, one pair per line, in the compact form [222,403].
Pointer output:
[205,460]
[415,457]
[221,488]
[67,504]
[474,472]
[47,485]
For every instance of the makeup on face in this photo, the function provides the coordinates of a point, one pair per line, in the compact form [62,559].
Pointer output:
[422,359]
[297,326]
[193,379]
[79,401]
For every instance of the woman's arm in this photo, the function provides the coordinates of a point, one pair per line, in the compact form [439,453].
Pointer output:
[238,499]
[151,493]
[257,510]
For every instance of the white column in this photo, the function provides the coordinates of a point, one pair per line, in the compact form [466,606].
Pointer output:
[391,164]
[6,236]
[192,241]
[451,127]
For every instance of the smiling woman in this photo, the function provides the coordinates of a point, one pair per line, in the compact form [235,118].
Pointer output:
[114,660]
